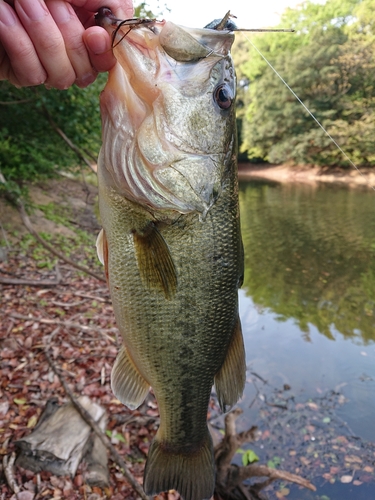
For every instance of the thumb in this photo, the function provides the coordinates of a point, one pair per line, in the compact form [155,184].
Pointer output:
[98,44]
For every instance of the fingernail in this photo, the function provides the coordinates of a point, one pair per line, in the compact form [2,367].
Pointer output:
[62,12]
[34,9]
[86,80]
[7,15]
[96,43]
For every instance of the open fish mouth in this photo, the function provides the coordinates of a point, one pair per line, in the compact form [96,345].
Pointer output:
[172,162]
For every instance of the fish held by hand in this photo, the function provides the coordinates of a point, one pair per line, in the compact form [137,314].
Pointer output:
[171,242]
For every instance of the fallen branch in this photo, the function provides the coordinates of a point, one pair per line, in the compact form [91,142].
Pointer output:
[66,324]
[94,426]
[230,478]
[8,467]
[16,281]
[21,281]
[66,139]
[93,297]
[27,223]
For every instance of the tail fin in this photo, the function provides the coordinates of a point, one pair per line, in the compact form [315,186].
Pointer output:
[192,474]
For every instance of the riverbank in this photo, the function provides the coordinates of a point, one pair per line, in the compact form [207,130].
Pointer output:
[310,175]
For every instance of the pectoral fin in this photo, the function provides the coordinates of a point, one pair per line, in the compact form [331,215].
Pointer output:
[102,250]
[127,383]
[230,379]
[155,262]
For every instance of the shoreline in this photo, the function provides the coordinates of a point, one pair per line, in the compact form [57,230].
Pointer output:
[308,175]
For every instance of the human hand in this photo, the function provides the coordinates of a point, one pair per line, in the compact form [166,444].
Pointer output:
[55,42]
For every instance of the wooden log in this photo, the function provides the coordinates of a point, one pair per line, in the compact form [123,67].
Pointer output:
[97,473]
[61,439]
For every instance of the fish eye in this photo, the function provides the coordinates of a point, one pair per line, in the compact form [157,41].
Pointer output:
[223,96]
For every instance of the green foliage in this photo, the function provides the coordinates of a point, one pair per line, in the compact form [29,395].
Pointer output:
[82,243]
[30,148]
[248,457]
[329,63]
[117,436]
[143,10]
[274,463]
[30,145]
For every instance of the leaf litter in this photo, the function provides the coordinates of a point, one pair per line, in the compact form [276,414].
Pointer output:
[76,316]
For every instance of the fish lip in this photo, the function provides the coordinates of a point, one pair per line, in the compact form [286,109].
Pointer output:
[210,41]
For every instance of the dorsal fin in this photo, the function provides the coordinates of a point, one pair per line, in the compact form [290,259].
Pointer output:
[155,262]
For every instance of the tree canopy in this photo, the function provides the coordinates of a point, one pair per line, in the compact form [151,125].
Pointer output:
[329,63]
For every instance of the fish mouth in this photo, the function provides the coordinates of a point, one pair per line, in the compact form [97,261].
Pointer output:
[149,159]
[148,36]
[149,50]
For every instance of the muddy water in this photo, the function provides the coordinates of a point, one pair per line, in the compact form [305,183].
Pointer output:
[308,315]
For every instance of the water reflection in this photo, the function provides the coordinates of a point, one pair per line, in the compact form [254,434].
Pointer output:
[309,255]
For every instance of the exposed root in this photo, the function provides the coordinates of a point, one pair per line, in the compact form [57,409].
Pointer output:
[230,477]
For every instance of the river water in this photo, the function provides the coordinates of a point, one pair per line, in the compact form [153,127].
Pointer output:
[308,314]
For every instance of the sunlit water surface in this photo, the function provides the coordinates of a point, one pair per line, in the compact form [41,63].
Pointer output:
[308,302]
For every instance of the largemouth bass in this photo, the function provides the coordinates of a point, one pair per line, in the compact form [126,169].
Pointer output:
[171,242]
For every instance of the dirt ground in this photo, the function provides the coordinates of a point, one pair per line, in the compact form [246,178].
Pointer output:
[77,197]
[308,174]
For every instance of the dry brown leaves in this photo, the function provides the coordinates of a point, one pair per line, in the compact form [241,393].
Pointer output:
[76,318]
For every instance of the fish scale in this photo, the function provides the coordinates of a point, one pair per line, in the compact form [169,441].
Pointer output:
[173,254]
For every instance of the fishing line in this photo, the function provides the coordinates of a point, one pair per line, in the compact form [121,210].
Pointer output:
[309,112]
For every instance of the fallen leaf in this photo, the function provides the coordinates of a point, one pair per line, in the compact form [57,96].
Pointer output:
[334,470]
[25,495]
[353,459]
[312,406]
[4,407]
[279,495]
[32,422]
[20,401]
[346,479]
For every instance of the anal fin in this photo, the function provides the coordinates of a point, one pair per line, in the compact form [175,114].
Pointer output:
[155,262]
[128,385]
[230,379]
